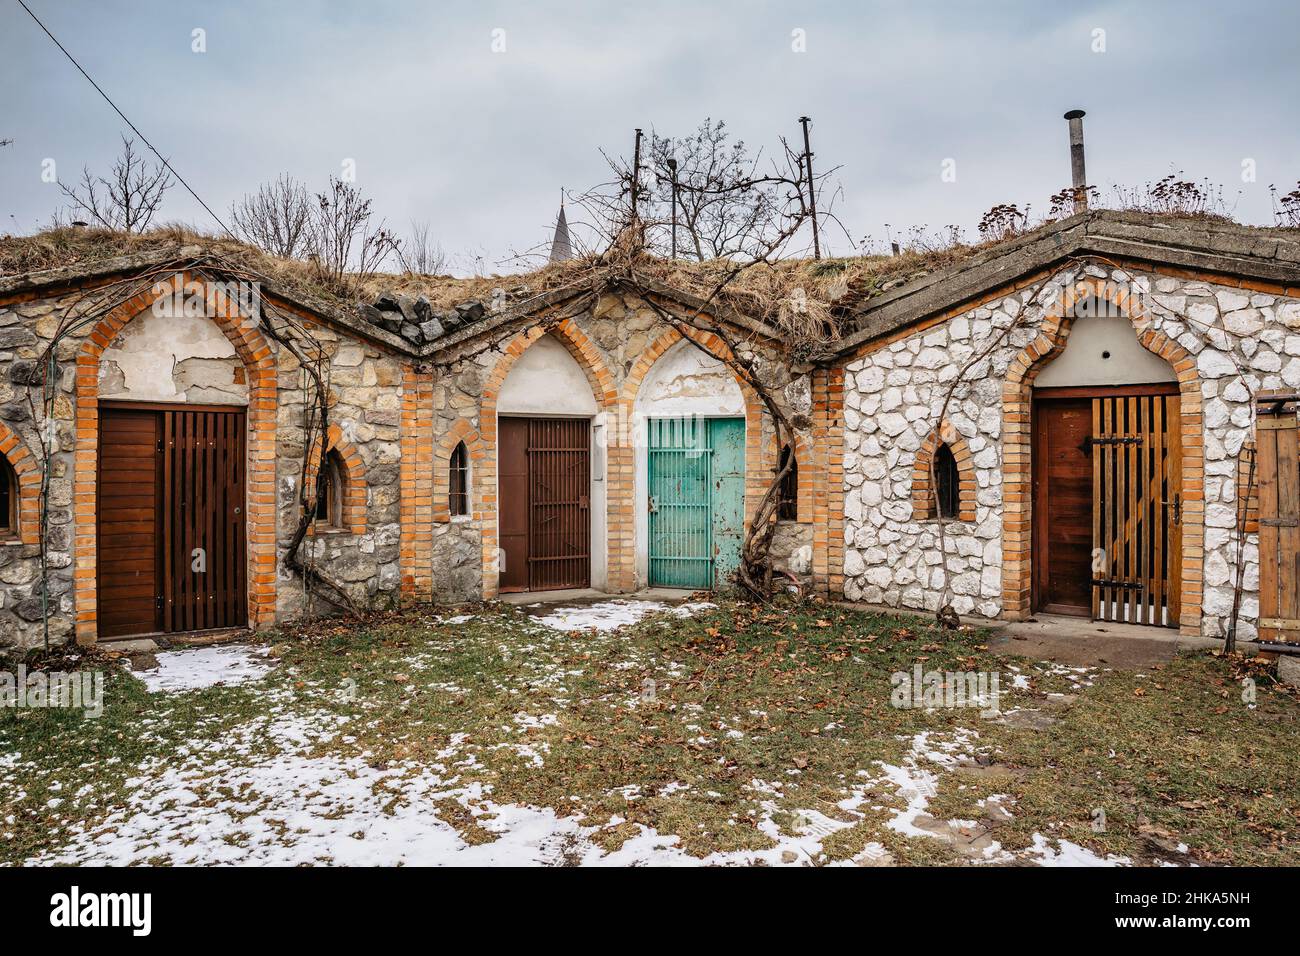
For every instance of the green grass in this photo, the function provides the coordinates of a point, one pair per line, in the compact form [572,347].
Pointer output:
[796,695]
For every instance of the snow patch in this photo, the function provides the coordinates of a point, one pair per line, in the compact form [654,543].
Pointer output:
[198,667]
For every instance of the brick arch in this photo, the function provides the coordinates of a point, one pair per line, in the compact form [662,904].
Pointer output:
[353,472]
[593,365]
[460,431]
[622,455]
[27,471]
[259,368]
[924,502]
[1017,444]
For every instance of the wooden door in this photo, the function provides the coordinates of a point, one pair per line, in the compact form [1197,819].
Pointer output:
[1137,514]
[1063,506]
[512,503]
[544,488]
[171,541]
[203,490]
[1278,481]
[129,523]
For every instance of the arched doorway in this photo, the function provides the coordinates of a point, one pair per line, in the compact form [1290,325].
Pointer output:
[550,510]
[690,437]
[1107,478]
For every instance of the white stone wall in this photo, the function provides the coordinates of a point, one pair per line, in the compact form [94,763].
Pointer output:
[894,397]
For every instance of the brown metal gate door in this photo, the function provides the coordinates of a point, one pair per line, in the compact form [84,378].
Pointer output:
[203,558]
[544,480]
[559,507]
[1136,448]
[1278,459]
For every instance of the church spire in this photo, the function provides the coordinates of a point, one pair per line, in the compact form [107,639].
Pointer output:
[561,249]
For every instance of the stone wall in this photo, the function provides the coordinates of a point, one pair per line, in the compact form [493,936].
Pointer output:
[162,358]
[613,342]
[1225,342]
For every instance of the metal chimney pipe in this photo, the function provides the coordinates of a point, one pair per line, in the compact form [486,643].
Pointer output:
[1078,177]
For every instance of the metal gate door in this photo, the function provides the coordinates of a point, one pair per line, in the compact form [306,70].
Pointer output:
[1137,509]
[696,488]
[559,505]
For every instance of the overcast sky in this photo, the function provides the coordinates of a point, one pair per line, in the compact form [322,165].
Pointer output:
[479,143]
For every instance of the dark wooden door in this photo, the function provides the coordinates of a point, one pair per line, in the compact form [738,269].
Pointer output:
[1278,481]
[544,483]
[130,523]
[203,550]
[512,503]
[1062,506]
[171,554]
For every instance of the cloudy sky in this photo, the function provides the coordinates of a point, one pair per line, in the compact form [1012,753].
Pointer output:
[479,142]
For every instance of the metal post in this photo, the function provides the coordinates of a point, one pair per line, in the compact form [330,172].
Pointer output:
[672,166]
[812,190]
[636,175]
[1078,177]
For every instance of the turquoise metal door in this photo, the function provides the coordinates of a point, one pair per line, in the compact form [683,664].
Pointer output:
[696,487]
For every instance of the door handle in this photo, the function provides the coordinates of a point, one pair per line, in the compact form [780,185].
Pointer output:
[653,504]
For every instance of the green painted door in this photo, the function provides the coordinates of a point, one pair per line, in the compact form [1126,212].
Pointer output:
[696,485]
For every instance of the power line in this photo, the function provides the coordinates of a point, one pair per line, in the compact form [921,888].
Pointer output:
[134,129]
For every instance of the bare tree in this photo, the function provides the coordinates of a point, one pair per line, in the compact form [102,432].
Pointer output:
[128,198]
[420,255]
[277,218]
[343,246]
[722,201]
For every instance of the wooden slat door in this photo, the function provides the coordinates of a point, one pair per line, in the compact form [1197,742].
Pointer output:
[171,545]
[203,550]
[1136,450]
[129,523]
[1278,463]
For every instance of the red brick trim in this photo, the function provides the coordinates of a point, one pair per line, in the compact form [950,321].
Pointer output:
[828,489]
[353,473]
[259,366]
[1017,444]
[924,502]
[27,471]
[483,479]
[416,477]
[460,431]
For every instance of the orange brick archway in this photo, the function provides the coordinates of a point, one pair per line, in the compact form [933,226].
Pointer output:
[622,453]
[353,474]
[1017,444]
[28,473]
[483,479]
[259,366]
[461,431]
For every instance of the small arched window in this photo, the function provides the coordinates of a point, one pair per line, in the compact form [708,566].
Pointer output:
[458,484]
[787,508]
[8,500]
[947,483]
[329,492]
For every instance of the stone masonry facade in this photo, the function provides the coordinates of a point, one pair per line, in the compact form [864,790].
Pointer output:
[1225,340]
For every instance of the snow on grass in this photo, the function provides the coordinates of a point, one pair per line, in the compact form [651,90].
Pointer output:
[198,667]
[611,615]
[1069,854]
